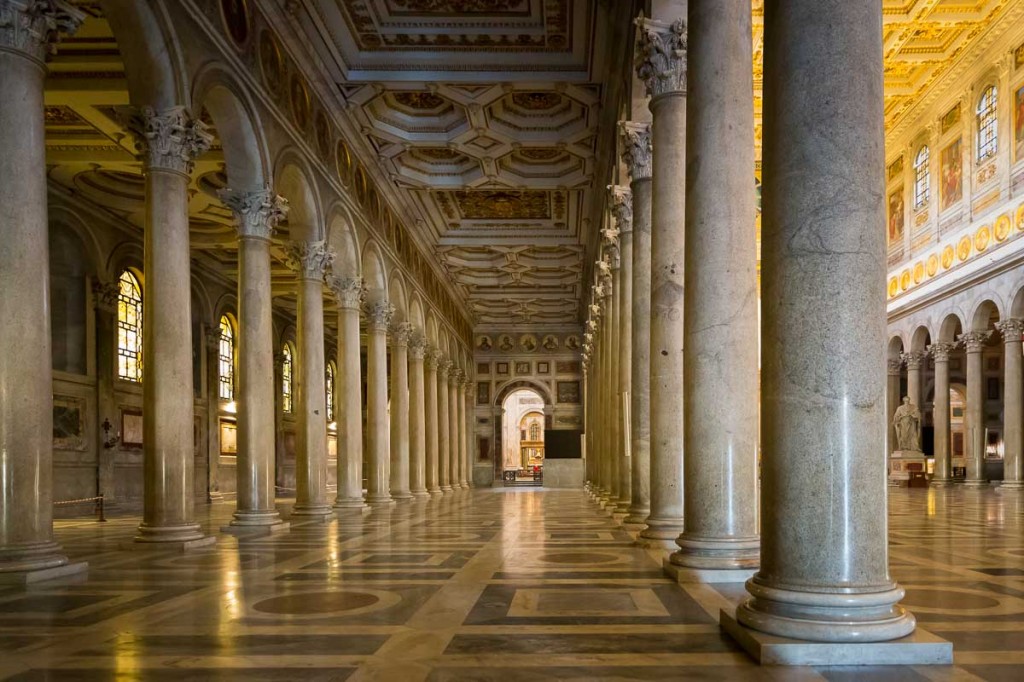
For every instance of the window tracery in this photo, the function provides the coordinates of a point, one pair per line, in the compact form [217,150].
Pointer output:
[988,132]
[922,177]
[129,328]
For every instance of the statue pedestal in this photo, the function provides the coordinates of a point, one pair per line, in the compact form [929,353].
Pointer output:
[904,462]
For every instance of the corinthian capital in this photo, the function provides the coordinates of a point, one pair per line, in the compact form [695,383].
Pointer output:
[168,140]
[431,358]
[104,295]
[256,212]
[974,342]
[661,56]
[417,346]
[444,366]
[348,291]
[310,260]
[621,199]
[1011,329]
[913,359]
[378,316]
[401,332]
[940,351]
[636,149]
[33,27]
[455,376]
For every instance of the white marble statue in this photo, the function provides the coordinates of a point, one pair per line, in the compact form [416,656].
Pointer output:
[907,422]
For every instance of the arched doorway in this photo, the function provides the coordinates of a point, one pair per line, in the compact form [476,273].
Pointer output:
[522,436]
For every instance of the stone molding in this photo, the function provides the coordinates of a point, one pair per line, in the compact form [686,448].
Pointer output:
[401,333]
[620,199]
[637,149]
[974,342]
[913,359]
[661,56]
[256,212]
[348,291]
[940,351]
[104,295]
[33,27]
[417,346]
[169,140]
[378,316]
[309,260]
[1011,329]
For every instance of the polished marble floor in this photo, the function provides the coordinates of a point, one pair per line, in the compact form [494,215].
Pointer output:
[500,585]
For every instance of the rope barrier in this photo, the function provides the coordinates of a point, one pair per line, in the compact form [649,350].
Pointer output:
[98,500]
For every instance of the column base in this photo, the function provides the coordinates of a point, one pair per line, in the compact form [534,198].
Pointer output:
[38,575]
[446,488]
[743,554]
[917,648]
[350,504]
[30,557]
[184,534]
[976,483]
[1011,485]
[403,496]
[941,483]
[636,517]
[435,493]
[315,510]
[660,534]
[684,574]
[380,500]
[420,495]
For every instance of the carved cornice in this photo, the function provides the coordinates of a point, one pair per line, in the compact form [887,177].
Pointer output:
[348,291]
[256,212]
[309,260]
[1011,329]
[661,56]
[167,140]
[33,27]
[940,351]
[620,199]
[636,149]
[378,316]
[974,342]
[913,359]
[417,346]
[401,332]
[104,295]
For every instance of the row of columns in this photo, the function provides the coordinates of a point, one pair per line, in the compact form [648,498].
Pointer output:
[406,446]
[691,374]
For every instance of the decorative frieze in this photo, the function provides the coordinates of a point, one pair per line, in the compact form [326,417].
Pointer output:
[661,56]
[167,140]
[636,149]
[33,27]
[310,260]
[256,212]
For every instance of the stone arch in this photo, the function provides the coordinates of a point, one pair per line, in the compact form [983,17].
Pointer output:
[342,238]
[227,303]
[67,218]
[430,328]
[291,180]
[502,391]
[416,317]
[896,347]
[981,318]
[127,254]
[950,328]
[397,296]
[920,339]
[374,273]
[1016,307]
[153,64]
[207,308]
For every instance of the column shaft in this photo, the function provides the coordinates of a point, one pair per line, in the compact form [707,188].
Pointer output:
[378,427]
[454,430]
[432,431]
[615,429]
[417,419]
[1013,403]
[974,415]
[443,427]
[940,414]
[400,411]
[348,414]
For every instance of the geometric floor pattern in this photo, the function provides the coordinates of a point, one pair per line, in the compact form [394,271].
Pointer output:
[493,585]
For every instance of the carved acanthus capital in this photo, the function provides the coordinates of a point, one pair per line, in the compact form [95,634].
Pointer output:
[974,342]
[104,295]
[256,213]
[894,367]
[913,359]
[661,56]
[940,351]
[444,366]
[636,149]
[310,260]
[1011,329]
[378,316]
[348,291]
[620,199]
[33,27]
[401,332]
[455,377]
[211,336]
[167,140]
[417,346]
[432,357]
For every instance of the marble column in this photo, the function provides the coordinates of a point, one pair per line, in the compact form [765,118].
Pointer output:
[432,417]
[211,353]
[637,156]
[914,360]
[720,313]
[168,141]
[824,572]
[661,64]
[454,427]
[621,201]
[604,432]
[444,368]
[400,334]
[256,213]
[974,414]
[378,447]
[1013,403]
[417,418]
[466,410]
[26,409]
[310,261]
[348,291]
[943,473]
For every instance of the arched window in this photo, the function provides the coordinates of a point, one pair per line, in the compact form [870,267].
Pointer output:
[329,383]
[922,178]
[226,359]
[988,133]
[287,367]
[534,431]
[129,328]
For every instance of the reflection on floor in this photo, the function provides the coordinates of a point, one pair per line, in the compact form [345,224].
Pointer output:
[511,585]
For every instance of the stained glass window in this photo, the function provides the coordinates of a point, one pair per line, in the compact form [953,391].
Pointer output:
[330,392]
[129,328]
[922,178]
[988,133]
[287,370]
[226,359]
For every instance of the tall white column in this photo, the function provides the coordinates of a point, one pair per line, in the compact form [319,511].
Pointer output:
[894,370]
[1013,403]
[720,315]
[604,432]
[417,418]
[310,261]
[400,334]
[940,414]
[256,214]
[168,141]
[466,417]
[914,360]
[615,430]
[824,572]
[432,431]
[637,156]
[661,65]
[444,368]
[26,408]
[348,291]
[974,416]
[454,427]
[378,484]
[621,201]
